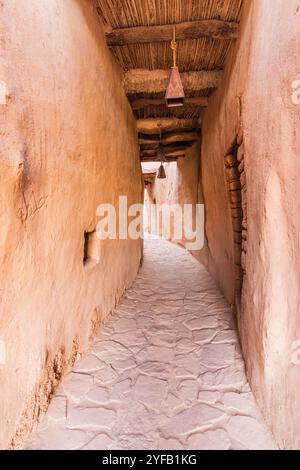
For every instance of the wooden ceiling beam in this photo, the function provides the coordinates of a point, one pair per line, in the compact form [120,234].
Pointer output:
[154,159]
[201,101]
[215,29]
[171,152]
[170,139]
[167,148]
[165,135]
[156,81]
[153,125]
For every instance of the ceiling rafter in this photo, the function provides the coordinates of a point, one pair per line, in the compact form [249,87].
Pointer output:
[154,126]
[140,103]
[215,29]
[156,81]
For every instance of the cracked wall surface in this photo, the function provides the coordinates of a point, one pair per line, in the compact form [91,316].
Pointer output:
[68,143]
[256,97]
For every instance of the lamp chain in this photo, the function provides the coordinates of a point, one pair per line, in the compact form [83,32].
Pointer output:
[174,47]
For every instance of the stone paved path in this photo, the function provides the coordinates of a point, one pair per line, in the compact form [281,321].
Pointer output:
[165,372]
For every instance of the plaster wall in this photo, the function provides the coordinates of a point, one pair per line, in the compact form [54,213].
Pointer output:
[68,143]
[257,106]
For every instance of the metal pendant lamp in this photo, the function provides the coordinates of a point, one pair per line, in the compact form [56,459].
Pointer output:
[161,174]
[175,92]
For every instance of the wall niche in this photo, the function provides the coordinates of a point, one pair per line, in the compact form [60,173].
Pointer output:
[91,250]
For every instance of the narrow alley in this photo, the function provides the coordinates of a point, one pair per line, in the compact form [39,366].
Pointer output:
[177,120]
[165,372]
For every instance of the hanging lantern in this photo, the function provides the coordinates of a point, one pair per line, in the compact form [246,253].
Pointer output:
[161,174]
[175,92]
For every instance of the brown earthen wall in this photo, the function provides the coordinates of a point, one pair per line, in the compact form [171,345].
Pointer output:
[255,103]
[68,143]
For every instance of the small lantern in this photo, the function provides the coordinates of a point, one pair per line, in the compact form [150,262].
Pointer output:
[161,174]
[175,92]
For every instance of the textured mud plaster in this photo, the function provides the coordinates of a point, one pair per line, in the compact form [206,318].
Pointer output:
[3,93]
[68,143]
[256,98]
[181,187]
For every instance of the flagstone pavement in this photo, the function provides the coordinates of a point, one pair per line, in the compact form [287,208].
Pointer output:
[165,372]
